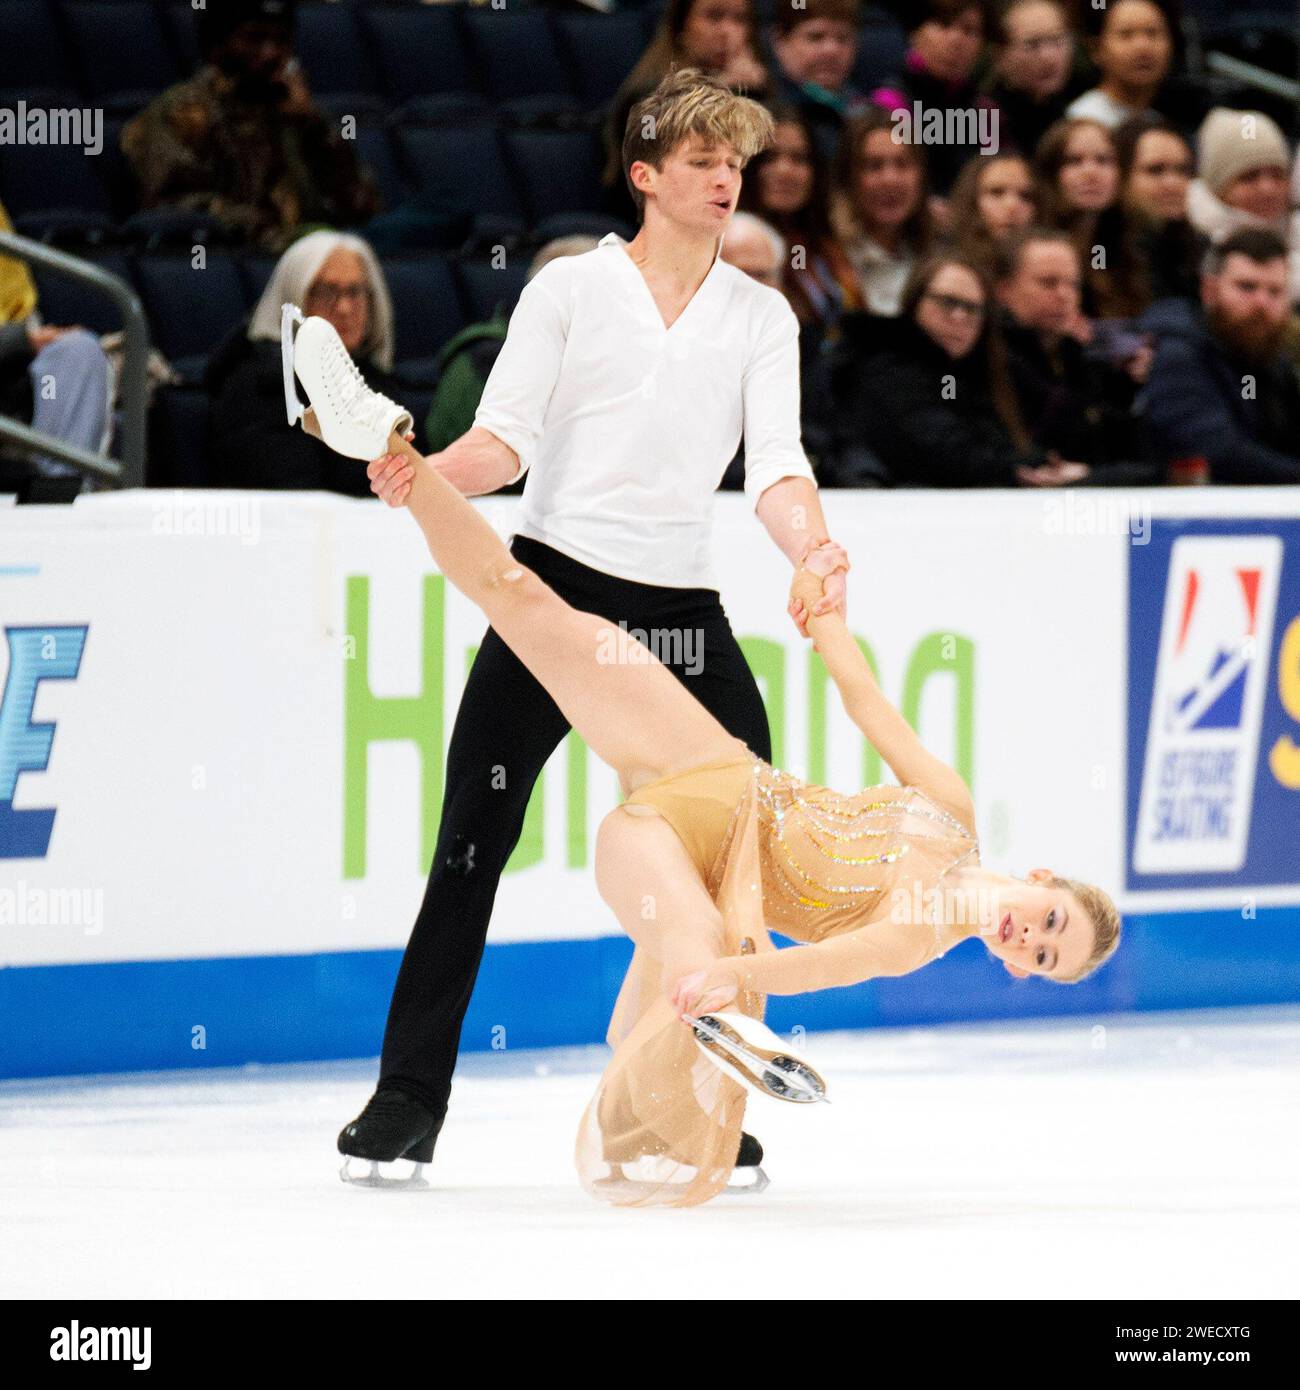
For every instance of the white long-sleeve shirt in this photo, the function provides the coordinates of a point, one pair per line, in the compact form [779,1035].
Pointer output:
[626,427]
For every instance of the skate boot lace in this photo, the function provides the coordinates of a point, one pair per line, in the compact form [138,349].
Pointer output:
[357,401]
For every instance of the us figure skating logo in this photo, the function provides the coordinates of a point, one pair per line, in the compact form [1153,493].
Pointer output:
[1203,736]
[36,654]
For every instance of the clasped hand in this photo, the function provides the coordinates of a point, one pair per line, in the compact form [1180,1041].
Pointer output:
[830,562]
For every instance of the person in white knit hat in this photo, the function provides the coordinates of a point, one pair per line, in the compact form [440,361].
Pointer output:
[1243,180]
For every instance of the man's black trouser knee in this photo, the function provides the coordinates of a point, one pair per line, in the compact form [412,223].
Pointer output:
[505,730]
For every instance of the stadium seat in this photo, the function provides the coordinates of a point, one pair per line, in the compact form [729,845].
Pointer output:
[601,50]
[255,274]
[426,308]
[40,178]
[557,170]
[190,309]
[328,43]
[419,50]
[120,51]
[32,54]
[517,54]
[484,286]
[64,302]
[181,20]
[460,167]
[374,148]
[69,228]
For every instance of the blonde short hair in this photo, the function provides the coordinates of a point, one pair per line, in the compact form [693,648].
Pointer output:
[690,102]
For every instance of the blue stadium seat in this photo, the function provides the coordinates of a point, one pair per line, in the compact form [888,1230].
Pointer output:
[557,170]
[38,178]
[517,54]
[255,272]
[181,20]
[32,54]
[190,310]
[374,147]
[120,49]
[602,50]
[419,50]
[426,307]
[71,228]
[484,285]
[460,167]
[328,43]
[65,302]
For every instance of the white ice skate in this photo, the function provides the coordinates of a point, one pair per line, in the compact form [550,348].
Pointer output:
[351,418]
[752,1054]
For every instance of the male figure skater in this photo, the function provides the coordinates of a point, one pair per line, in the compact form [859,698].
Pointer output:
[624,384]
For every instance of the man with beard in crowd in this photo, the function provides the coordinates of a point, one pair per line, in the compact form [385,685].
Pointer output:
[243,140]
[1220,388]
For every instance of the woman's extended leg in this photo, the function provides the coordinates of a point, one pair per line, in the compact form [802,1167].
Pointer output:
[631,710]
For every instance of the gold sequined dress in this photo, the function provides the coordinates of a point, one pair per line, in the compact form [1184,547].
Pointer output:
[854,878]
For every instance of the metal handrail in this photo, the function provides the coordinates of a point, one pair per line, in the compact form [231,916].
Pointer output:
[129,472]
[1227,66]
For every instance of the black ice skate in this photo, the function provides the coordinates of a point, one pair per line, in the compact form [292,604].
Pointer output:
[393,1125]
[749,1156]
[751,1053]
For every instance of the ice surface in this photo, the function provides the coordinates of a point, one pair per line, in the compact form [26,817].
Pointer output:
[1131,1156]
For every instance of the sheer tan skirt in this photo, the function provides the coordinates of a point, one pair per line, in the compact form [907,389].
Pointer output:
[664,1125]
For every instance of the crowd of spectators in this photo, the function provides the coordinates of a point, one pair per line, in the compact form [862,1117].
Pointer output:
[1040,251]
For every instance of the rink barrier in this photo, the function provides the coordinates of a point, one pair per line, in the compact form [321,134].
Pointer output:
[222,762]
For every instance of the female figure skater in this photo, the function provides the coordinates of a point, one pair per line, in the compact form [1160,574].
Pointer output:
[713,845]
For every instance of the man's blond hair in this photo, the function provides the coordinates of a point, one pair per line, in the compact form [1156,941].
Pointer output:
[690,102]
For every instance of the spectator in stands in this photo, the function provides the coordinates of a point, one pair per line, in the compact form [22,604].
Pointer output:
[58,380]
[1132,43]
[1243,180]
[1078,164]
[1071,404]
[242,139]
[759,249]
[1155,170]
[334,275]
[1034,75]
[717,36]
[1222,394]
[466,360]
[991,201]
[756,247]
[815,45]
[787,185]
[944,46]
[880,208]
[935,405]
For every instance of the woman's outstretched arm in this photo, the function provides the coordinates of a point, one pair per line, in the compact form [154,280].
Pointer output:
[865,703]
[875,951]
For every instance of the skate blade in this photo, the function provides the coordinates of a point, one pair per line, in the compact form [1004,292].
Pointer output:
[415,1182]
[774,1074]
[290,315]
[761,1182]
